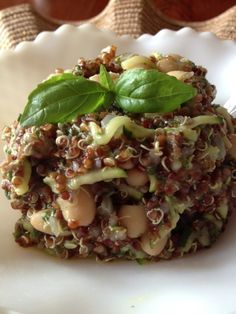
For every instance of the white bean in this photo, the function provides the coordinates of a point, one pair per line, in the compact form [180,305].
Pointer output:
[134,219]
[94,78]
[81,209]
[175,56]
[136,177]
[126,165]
[137,62]
[181,75]
[152,246]
[167,64]
[38,222]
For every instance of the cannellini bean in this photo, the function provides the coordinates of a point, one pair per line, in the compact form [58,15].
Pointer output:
[175,56]
[232,150]
[137,62]
[94,77]
[152,248]
[181,75]
[126,165]
[38,222]
[136,177]
[134,219]
[80,210]
[167,64]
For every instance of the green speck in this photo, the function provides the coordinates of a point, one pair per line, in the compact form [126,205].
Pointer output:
[141,261]
[49,213]
[10,175]
[151,170]
[127,133]
[7,194]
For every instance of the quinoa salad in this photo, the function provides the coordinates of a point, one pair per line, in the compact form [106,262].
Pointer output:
[122,157]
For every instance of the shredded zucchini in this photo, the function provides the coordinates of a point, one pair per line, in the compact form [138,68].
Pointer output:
[131,191]
[218,223]
[186,129]
[223,209]
[191,238]
[190,135]
[213,152]
[207,119]
[51,183]
[153,183]
[96,176]
[103,136]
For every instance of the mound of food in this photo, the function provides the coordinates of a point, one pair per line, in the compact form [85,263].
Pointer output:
[122,157]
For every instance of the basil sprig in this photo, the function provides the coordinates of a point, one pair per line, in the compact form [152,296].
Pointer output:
[62,98]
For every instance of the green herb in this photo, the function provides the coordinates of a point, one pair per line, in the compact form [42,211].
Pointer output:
[48,213]
[142,91]
[10,175]
[141,261]
[58,77]
[105,78]
[8,195]
[151,170]
[19,117]
[8,150]
[63,97]
[61,100]
[78,70]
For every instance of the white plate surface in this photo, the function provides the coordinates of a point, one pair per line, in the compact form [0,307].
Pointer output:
[32,282]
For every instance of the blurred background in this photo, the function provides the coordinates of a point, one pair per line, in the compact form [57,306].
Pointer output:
[185,10]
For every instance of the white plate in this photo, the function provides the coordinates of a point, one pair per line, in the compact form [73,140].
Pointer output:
[31,281]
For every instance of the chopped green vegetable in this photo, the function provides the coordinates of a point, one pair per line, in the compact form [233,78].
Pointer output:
[191,135]
[131,191]
[96,176]
[207,119]
[52,183]
[153,183]
[222,209]
[103,136]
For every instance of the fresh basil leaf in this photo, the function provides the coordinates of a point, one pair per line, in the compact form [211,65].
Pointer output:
[140,91]
[58,77]
[41,87]
[61,100]
[105,78]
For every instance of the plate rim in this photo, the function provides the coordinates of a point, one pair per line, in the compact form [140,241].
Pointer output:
[85,27]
